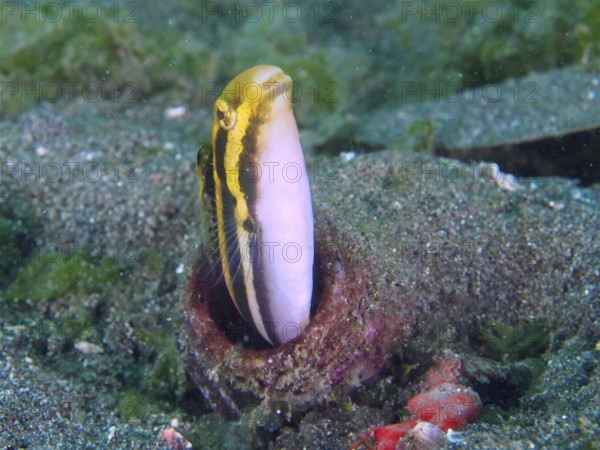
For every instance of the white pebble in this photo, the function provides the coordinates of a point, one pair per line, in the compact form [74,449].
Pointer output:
[88,348]
[174,112]
[347,156]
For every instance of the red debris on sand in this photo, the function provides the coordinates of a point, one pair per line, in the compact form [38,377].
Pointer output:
[446,404]
[388,436]
[447,370]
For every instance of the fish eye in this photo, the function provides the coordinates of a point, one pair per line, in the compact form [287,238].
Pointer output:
[226,116]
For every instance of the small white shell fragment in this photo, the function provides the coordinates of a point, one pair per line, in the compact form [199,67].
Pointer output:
[88,348]
[112,432]
[508,183]
[347,156]
[174,112]
[41,151]
[505,181]
[174,439]
[427,436]
[556,205]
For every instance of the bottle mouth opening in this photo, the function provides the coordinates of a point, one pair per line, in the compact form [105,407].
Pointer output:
[352,330]
[213,315]
[237,330]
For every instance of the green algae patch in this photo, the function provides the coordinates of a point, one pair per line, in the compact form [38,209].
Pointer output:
[99,52]
[420,137]
[511,367]
[44,55]
[509,38]
[46,278]
[503,342]
[133,406]
[167,381]
[18,229]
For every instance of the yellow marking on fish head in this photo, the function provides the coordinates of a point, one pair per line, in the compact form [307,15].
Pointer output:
[246,104]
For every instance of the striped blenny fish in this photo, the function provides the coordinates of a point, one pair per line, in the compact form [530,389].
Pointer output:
[256,204]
